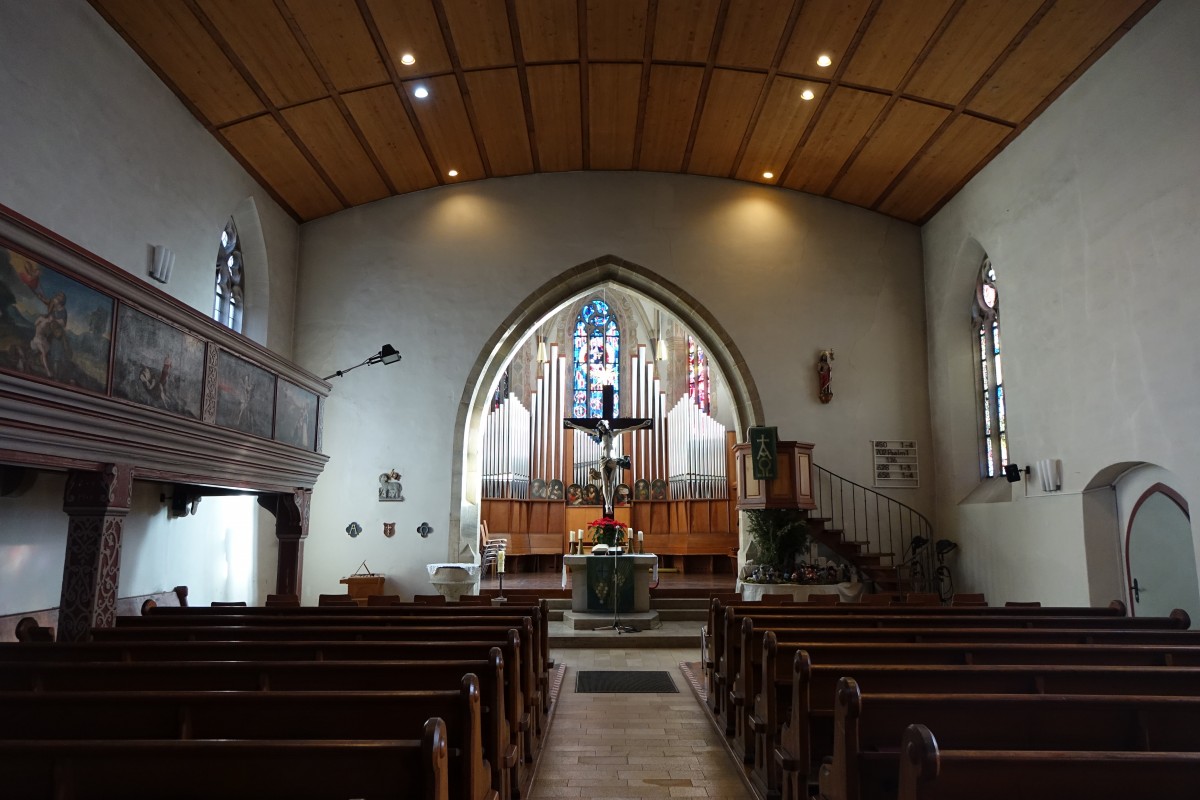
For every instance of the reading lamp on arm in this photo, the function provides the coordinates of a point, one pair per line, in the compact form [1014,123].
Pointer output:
[386,355]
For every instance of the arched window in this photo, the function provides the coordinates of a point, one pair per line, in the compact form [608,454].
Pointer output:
[597,360]
[228,300]
[993,417]
[699,388]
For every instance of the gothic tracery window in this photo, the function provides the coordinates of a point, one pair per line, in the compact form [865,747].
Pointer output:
[699,387]
[597,351]
[228,298]
[992,412]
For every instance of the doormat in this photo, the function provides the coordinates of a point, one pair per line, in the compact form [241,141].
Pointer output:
[623,681]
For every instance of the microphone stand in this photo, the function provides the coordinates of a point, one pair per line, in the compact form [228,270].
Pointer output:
[616,623]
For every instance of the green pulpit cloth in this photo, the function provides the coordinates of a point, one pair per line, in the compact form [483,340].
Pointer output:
[600,583]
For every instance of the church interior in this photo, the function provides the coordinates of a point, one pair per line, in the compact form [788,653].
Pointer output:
[304,296]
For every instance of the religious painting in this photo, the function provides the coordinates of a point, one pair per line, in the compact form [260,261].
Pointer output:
[296,416]
[574,495]
[554,489]
[591,495]
[537,489]
[245,396]
[658,489]
[157,365]
[641,489]
[621,495]
[52,326]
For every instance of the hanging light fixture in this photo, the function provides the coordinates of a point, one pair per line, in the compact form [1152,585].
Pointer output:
[541,348]
[660,347]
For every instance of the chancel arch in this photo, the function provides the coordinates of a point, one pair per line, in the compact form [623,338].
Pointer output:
[571,289]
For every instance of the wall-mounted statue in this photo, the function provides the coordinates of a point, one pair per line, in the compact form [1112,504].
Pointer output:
[825,375]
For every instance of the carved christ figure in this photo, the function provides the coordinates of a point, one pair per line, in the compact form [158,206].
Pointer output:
[602,430]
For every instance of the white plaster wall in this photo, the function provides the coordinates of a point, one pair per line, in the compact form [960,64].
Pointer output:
[1092,219]
[94,147]
[435,273]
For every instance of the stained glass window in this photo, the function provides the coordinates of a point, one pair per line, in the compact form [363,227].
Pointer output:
[699,387]
[228,300]
[993,425]
[597,344]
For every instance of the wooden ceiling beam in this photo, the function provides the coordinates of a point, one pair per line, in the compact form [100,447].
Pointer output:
[709,65]
[930,43]
[585,125]
[456,64]
[644,87]
[834,82]
[381,48]
[514,29]
[780,49]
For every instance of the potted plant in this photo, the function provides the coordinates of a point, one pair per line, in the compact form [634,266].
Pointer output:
[778,535]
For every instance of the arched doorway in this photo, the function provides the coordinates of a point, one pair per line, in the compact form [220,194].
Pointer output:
[1160,560]
[567,287]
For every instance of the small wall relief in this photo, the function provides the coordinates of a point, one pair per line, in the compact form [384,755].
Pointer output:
[390,489]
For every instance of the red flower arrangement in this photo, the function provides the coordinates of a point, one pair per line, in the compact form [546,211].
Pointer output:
[607,530]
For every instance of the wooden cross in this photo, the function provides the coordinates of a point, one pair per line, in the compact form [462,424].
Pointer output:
[603,429]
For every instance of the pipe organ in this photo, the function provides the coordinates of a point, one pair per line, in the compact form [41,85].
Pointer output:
[686,448]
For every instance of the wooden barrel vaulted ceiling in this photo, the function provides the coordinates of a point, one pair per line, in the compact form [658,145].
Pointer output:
[315,99]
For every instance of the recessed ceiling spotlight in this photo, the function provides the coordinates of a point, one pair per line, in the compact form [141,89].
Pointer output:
[807,94]
[408,59]
[768,175]
[453,173]
[824,60]
[420,92]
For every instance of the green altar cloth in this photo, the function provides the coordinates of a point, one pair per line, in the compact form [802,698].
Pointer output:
[600,583]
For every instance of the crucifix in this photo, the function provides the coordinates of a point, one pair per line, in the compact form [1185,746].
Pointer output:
[602,430]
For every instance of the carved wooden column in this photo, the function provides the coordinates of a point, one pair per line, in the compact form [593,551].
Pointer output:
[291,529]
[96,503]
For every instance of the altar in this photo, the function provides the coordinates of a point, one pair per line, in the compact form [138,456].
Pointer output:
[575,569]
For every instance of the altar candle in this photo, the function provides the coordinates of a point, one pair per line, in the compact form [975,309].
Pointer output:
[639,537]
[500,561]
[572,536]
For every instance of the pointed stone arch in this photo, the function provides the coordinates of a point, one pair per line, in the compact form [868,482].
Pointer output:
[515,329]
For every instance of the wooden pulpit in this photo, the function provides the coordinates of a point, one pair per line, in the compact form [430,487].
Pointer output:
[360,587]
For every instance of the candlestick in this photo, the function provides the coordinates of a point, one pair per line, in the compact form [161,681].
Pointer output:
[500,561]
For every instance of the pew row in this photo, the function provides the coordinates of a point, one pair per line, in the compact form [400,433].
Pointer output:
[793,725]
[867,726]
[268,716]
[232,770]
[928,772]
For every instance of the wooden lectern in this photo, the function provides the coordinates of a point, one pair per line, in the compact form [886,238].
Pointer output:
[360,587]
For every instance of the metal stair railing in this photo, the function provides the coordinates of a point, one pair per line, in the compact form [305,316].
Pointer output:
[864,515]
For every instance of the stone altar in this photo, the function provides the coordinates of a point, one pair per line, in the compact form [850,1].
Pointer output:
[643,565]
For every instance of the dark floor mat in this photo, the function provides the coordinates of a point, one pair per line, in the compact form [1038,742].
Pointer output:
[623,681]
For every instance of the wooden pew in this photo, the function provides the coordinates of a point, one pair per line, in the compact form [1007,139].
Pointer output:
[263,770]
[318,651]
[785,753]
[289,676]
[746,679]
[717,684]
[867,725]
[531,708]
[928,772]
[538,613]
[262,716]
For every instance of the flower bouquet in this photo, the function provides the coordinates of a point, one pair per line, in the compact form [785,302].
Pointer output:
[608,531]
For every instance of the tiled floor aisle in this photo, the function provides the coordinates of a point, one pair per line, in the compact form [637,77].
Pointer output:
[632,746]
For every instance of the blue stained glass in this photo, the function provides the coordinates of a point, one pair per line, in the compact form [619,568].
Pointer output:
[597,356]
[999,372]
[1003,449]
[1000,407]
[991,460]
[996,338]
[987,416]
[984,371]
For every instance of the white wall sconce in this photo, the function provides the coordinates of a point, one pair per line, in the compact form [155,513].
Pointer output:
[163,263]
[1050,473]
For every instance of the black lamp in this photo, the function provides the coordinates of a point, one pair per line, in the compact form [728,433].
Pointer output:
[386,355]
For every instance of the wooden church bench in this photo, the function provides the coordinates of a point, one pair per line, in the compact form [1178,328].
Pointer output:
[262,716]
[287,676]
[794,724]
[929,772]
[264,770]
[868,725]
[749,656]
[515,703]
